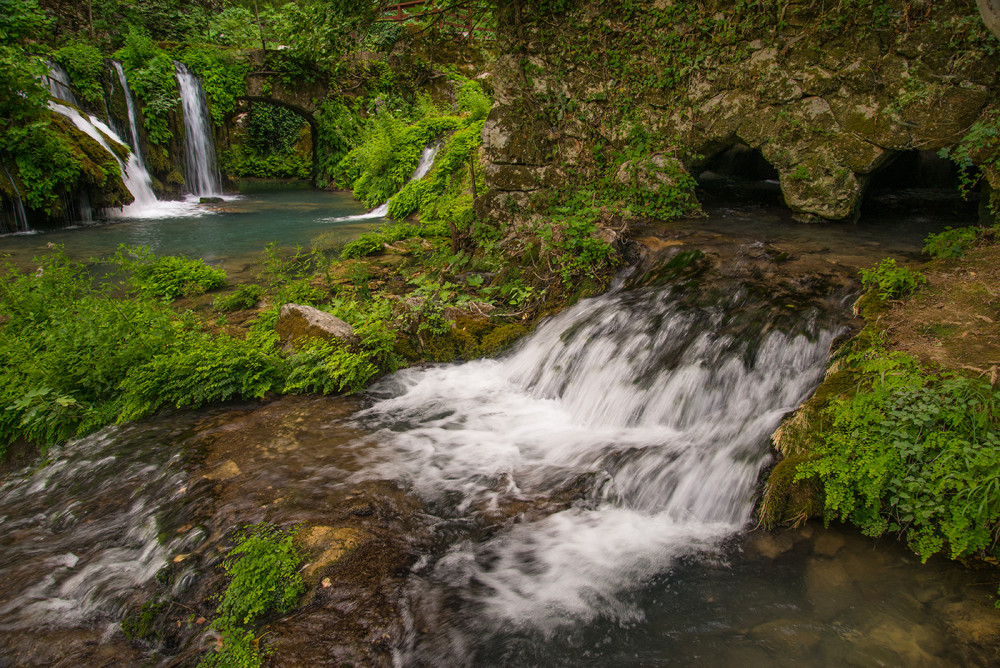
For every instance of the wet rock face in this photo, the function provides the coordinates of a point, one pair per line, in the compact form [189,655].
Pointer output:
[826,109]
[297,322]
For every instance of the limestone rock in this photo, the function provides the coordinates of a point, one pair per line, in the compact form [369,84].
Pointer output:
[297,321]
[330,545]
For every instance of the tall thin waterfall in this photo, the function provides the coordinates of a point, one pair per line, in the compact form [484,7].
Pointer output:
[58,84]
[199,147]
[133,125]
[20,219]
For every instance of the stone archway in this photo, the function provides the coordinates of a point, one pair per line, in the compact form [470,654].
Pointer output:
[304,114]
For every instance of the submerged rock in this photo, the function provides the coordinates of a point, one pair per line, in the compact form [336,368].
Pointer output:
[297,322]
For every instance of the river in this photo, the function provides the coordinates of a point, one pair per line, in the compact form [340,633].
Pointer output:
[586,499]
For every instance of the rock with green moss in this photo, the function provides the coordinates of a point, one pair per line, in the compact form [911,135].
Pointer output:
[298,322]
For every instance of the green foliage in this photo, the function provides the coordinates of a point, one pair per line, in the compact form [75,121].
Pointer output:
[951,243]
[245,298]
[473,101]
[371,243]
[913,453]
[273,143]
[152,78]
[20,19]
[263,568]
[272,129]
[982,138]
[239,648]
[65,347]
[264,574]
[85,65]
[235,27]
[571,235]
[337,128]
[167,276]
[890,281]
[199,370]
[240,162]
[442,196]
[42,156]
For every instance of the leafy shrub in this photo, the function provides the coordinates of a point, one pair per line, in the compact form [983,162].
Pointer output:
[915,454]
[951,243]
[264,572]
[890,281]
[85,65]
[167,276]
[337,128]
[371,243]
[245,298]
[263,568]
[473,101]
[239,648]
[571,236]
[200,370]
[65,347]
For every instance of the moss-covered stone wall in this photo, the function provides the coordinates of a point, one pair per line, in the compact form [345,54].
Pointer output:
[829,92]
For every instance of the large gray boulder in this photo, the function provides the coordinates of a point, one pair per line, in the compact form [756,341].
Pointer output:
[298,321]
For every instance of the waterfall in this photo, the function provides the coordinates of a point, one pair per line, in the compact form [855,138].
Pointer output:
[423,168]
[199,147]
[654,414]
[134,174]
[20,219]
[58,84]
[133,125]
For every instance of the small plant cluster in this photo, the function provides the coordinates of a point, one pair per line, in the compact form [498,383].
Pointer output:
[373,242]
[571,236]
[913,453]
[167,277]
[263,568]
[890,281]
[955,243]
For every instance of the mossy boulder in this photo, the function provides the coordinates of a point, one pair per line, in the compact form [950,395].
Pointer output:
[298,322]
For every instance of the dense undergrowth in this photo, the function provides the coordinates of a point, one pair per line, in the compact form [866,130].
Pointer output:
[896,446]
[78,354]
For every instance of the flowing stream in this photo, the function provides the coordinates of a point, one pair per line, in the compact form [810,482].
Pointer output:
[582,500]
[203,179]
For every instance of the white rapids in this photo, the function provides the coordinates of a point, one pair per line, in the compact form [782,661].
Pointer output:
[651,408]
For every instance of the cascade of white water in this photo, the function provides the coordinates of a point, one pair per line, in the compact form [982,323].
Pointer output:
[134,174]
[657,413]
[203,177]
[20,218]
[423,168]
[58,84]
